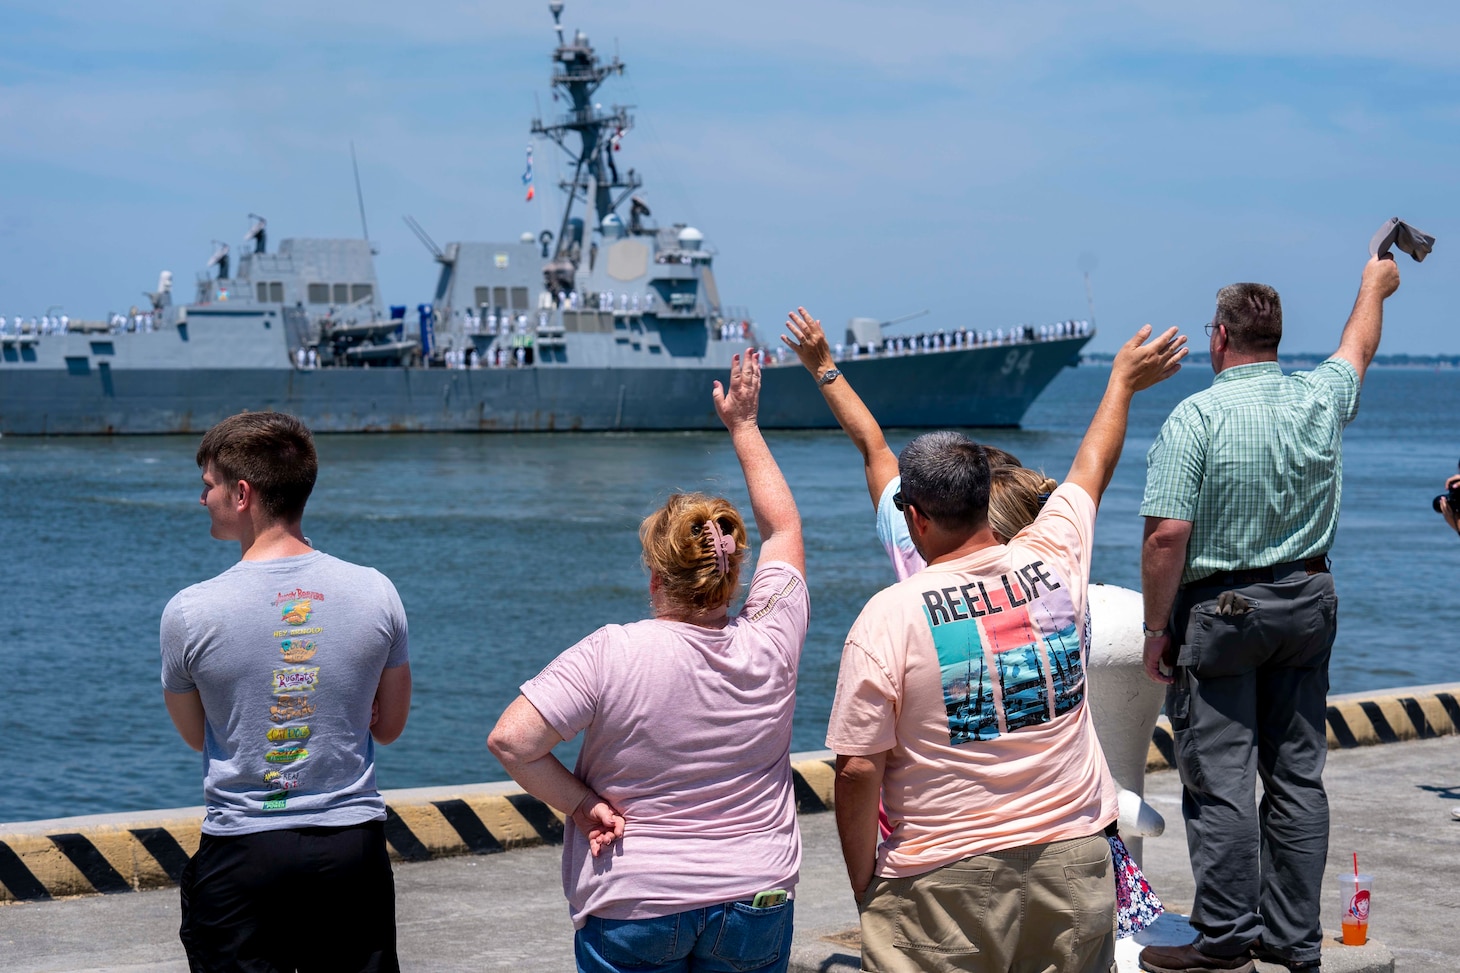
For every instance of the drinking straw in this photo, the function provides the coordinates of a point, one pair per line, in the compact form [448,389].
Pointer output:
[1356,866]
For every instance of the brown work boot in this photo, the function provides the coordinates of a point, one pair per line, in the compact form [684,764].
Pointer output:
[1189,959]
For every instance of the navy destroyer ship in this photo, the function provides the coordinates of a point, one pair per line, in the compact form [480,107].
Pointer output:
[613,322]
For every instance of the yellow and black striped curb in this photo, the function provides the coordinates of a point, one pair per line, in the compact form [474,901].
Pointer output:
[1360,720]
[109,854]
[117,853]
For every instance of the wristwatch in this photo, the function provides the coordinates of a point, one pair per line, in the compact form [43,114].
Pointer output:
[829,376]
[1154,633]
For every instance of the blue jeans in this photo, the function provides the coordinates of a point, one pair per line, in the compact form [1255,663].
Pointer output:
[728,938]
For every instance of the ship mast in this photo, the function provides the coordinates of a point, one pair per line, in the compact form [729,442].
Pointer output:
[596,179]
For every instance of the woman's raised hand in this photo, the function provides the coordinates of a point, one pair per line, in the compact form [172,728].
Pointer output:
[808,341]
[739,405]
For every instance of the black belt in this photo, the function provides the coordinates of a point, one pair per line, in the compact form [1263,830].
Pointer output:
[1317,564]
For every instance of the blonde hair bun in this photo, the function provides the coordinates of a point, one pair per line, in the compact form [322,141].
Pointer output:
[683,553]
[1014,498]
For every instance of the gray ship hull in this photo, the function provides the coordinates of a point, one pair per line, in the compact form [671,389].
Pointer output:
[983,386]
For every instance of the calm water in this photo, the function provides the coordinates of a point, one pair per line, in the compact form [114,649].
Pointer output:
[507,549]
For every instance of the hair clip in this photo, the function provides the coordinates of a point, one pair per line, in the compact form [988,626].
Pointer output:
[723,544]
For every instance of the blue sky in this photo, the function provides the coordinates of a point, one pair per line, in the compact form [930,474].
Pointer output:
[858,158]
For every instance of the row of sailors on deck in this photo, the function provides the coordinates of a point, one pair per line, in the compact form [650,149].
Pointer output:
[458,358]
[602,301]
[944,340]
[61,323]
[489,321]
[135,321]
[497,357]
[45,324]
[967,338]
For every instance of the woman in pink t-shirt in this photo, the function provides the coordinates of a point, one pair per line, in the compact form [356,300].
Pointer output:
[682,799]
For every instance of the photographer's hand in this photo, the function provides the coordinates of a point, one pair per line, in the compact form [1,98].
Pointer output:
[1450,515]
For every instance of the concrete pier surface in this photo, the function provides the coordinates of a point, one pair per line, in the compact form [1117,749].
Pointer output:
[1392,804]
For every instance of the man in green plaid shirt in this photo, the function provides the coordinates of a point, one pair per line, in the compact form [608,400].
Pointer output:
[1242,495]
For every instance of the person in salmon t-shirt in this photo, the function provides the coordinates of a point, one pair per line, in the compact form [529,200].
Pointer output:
[961,700]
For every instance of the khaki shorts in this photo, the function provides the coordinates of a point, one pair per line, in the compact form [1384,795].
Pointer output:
[1037,909]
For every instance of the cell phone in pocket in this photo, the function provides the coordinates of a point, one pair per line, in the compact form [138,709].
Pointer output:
[768,898]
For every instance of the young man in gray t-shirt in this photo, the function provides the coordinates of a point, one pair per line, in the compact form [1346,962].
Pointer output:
[284,670]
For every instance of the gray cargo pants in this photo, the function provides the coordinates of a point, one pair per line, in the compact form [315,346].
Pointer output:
[1251,698]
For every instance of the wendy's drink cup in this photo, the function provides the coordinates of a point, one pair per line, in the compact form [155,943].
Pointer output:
[1353,897]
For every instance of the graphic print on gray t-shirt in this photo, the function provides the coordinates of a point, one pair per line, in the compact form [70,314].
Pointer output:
[286,655]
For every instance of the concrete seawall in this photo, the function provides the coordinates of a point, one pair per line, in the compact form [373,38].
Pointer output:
[119,853]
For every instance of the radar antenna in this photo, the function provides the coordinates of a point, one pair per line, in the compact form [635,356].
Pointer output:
[257,233]
[219,259]
[557,8]
[638,209]
[596,179]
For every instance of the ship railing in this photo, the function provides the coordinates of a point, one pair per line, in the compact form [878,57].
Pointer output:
[670,311]
[549,333]
[584,118]
[900,346]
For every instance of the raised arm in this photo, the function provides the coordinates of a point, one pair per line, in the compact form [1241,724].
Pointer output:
[1365,325]
[809,342]
[1138,365]
[776,517]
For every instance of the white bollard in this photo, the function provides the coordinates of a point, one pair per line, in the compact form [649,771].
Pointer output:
[1124,705]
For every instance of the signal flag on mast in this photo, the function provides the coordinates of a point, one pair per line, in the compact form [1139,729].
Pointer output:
[527,176]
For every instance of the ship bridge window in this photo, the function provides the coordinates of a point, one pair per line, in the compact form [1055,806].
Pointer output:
[519,298]
[342,293]
[276,292]
[499,297]
[483,296]
[319,293]
[361,292]
[263,291]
